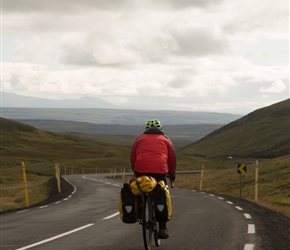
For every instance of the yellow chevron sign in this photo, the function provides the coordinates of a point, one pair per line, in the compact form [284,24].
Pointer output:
[242,168]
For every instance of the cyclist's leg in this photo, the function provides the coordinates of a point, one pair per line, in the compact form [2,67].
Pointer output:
[163,231]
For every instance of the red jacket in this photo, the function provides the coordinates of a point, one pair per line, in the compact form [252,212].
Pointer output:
[153,152]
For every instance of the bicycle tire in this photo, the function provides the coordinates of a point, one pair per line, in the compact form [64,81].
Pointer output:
[154,224]
[147,227]
[157,240]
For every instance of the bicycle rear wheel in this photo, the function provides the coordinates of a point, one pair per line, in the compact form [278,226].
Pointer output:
[148,229]
[156,236]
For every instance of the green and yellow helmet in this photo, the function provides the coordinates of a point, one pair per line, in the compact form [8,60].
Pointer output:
[153,123]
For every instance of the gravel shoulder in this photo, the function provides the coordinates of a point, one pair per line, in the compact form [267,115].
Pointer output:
[272,228]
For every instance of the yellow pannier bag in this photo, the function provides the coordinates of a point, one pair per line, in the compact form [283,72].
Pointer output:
[162,202]
[128,206]
[145,183]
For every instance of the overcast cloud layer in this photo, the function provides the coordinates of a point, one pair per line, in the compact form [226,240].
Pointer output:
[211,55]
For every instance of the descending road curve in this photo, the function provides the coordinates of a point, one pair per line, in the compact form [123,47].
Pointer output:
[88,219]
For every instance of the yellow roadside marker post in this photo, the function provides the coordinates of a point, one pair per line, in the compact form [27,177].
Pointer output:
[57,176]
[256,181]
[25,184]
[201,177]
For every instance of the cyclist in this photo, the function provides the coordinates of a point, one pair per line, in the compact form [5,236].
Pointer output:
[153,154]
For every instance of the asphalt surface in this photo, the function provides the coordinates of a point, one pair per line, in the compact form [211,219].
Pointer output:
[85,216]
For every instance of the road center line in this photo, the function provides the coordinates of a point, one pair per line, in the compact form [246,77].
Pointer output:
[55,237]
[111,216]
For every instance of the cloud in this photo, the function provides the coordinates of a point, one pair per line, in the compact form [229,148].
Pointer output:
[202,51]
[178,83]
[199,40]
[256,19]
[276,87]
[183,4]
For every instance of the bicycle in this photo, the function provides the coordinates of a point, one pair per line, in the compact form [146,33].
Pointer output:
[150,226]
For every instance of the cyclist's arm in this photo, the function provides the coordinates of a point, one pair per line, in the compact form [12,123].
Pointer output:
[171,179]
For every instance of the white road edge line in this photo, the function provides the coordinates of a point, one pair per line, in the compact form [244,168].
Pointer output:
[248,216]
[239,208]
[22,211]
[251,229]
[111,216]
[55,237]
[230,202]
[249,247]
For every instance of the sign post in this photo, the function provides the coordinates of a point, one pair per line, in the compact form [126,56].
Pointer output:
[242,169]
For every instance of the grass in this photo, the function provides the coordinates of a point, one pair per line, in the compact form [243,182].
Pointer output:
[273,182]
[222,178]
[41,150]
[12,192]
[263,133]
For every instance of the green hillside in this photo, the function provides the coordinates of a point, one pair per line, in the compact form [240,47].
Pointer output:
[264,133]
[20,142]
[40,151]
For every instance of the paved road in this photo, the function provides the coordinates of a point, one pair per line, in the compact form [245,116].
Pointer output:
[88,219]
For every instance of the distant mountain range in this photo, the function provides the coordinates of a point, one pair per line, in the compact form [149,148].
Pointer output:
[14,100]
[117,116]
[97,111]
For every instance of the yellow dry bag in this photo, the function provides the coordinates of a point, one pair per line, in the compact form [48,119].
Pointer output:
[144,183]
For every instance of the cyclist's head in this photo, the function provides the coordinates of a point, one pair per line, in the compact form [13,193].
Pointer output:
[153,123]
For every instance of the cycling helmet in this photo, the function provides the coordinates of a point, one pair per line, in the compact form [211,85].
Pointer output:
[153,123]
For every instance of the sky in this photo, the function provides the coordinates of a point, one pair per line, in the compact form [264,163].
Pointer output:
[196,55]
